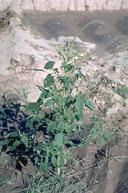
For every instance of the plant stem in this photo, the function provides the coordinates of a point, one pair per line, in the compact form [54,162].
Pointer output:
[58,165]
[78,34]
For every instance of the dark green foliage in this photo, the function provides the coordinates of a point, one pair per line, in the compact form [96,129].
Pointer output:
[49,65]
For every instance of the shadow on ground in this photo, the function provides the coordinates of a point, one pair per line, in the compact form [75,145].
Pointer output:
[123,182]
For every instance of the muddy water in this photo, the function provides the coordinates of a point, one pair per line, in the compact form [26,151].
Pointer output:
[110,34]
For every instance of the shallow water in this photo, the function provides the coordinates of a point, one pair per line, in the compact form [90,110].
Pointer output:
[110,33]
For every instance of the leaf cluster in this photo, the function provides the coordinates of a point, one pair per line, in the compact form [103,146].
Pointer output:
[61,106]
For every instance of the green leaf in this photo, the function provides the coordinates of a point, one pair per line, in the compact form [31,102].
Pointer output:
[49,65]
[43,166]
[60,126]
[79,106]
[48,102]
[94,133]
[44,94]
[14,145]
[29,123]
[13,134]
[24,139]
[68,67]
[51,126]
[58,139]
[2,143]
[31,120]
[54,160]
[89,104]
[48,81]
[33,107]
[102,140]
[66,81]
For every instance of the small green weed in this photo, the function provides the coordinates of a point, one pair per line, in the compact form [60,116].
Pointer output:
[47,135]
[61,106]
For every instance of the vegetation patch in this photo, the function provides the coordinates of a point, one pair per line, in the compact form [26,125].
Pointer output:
[45,133]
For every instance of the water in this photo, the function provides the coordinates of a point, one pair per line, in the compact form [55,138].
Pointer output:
[110,34]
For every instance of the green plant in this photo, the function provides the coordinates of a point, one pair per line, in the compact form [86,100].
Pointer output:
[55,184]
[47,134]
[55,118]
[61,106]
